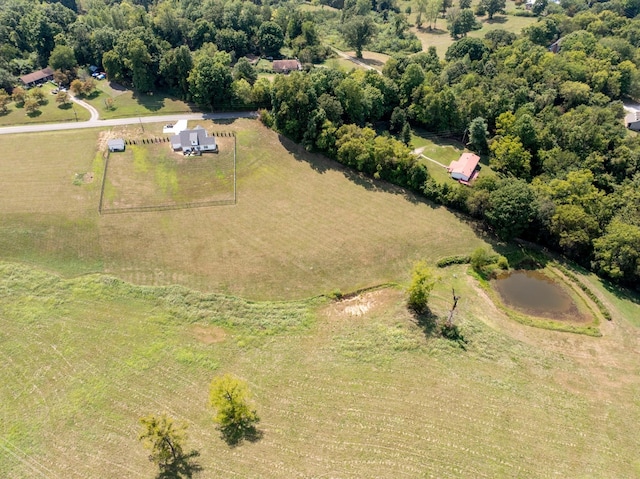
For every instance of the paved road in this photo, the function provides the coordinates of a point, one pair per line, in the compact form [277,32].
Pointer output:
[230,115]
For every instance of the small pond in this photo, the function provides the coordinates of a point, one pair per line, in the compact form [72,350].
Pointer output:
[534,293]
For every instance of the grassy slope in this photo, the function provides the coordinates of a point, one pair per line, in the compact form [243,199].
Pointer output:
[302,225]
[339,395]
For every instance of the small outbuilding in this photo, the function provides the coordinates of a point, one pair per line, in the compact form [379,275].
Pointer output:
[37,78]
[286,66]
[117,144]
[465,168]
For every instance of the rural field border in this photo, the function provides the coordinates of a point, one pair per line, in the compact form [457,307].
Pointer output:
[169,207]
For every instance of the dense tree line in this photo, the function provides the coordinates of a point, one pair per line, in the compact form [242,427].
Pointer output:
[550,123]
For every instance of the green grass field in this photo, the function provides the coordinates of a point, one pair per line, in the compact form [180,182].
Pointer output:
[50,112]
[350,388]
[302,224]
[128,103]
[344,389]
[441,39]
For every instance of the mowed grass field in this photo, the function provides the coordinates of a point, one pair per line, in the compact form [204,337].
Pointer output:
[345,389]
[302,224]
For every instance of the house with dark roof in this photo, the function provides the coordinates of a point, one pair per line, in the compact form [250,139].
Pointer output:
[465,168]
[196,140]
[286,66]
[37,78]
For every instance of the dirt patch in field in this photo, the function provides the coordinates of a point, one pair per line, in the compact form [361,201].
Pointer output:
[209,334]
[359,306]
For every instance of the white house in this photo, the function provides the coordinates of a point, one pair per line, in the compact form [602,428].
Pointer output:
[195,140]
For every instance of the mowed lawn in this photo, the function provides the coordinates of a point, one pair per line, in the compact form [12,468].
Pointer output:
[129,103]
[49,112]
[347,389]
[302,224]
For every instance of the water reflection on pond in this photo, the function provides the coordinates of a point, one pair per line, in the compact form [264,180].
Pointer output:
[534,293]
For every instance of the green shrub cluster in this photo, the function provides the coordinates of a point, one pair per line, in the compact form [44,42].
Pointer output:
[456,259]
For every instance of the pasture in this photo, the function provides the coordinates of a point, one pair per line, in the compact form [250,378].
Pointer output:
[349,388]
[302,225]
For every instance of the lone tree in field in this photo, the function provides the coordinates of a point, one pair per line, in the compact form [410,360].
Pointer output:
[164,439]
[422,283]
[236,419]
[358,31]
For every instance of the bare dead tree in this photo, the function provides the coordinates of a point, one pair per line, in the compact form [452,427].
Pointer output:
[449,322]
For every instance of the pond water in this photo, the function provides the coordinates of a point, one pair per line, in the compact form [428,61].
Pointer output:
[534,293]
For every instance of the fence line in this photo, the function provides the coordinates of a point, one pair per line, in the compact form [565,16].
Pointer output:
[104,180]
[182,206]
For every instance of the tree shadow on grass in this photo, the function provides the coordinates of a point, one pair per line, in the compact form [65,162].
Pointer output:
[183,468]
[34,114]
[322,164]
[65,106]
[150,102]
[234,437]
[426,320]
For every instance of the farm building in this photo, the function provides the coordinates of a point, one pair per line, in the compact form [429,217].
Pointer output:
[465,168]
[117,144]
[195,140]
[37,78]
[286,66]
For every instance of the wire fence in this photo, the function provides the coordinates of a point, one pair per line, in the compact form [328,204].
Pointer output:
[102,210]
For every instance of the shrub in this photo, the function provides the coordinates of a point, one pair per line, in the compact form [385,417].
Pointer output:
[422,282]
[449,260]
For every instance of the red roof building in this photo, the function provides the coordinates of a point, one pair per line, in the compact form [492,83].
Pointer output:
[464,169]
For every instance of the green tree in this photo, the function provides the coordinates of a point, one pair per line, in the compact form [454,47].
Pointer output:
[62,98]
[31,105]
[478,134]
[509,156]
[210,82]
[4,101]
[617,253]
[230,398]
[63,58]
[358,31]
[18,95]
[139,62]
[270,38]
[163,438]
[422,283]
[511,208]
[493,6]
[406,134]
[174,69]
[244,70]
[460,21]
